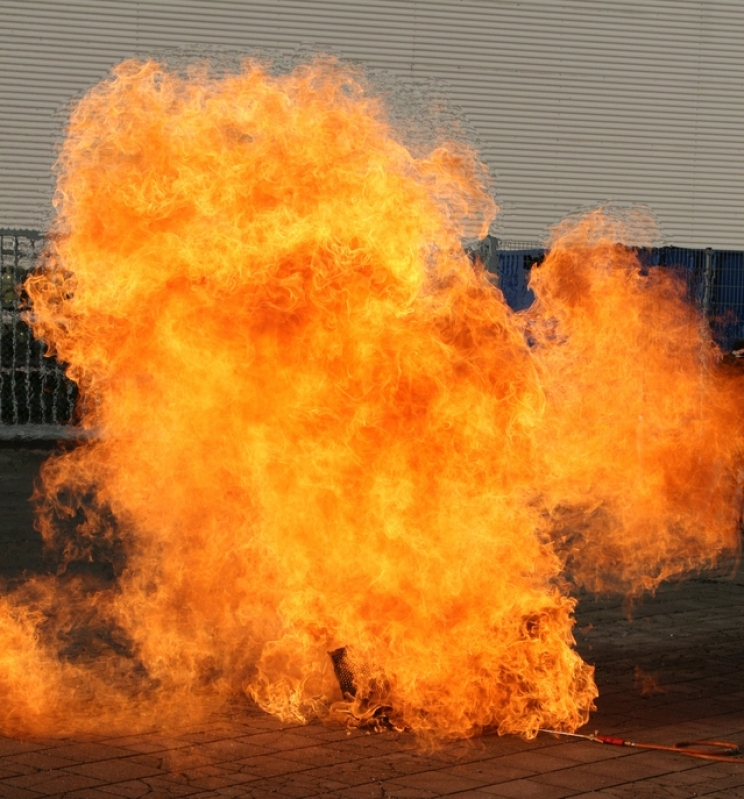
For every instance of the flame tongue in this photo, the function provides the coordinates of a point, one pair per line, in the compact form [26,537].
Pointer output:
[645,426]
[319,427]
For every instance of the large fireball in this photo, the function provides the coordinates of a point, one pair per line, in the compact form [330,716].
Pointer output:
[316,426]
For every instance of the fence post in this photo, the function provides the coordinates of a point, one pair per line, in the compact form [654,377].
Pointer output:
[708,275]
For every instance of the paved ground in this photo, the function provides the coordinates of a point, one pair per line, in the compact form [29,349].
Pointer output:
[672,673]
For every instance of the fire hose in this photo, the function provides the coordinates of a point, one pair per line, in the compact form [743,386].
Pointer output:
[720,751]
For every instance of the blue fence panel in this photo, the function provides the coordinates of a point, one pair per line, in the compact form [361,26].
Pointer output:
[714,281]
[727,305]
[514,273]
[690,265]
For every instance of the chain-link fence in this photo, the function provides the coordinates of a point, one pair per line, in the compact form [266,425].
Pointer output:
[38,401]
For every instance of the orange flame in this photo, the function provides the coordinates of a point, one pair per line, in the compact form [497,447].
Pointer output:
[643,478]
[317,426]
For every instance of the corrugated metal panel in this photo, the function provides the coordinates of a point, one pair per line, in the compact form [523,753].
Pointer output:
[574,103]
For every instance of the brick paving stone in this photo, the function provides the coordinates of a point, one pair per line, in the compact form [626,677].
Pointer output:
[88,752]
[607,772]
[723,784]
[382,772]
[270,766]
[362,747]
[395,791]
[277,741]
[473,794]
[310,784]
[133,789]
[147,743]
[580,779]
[669,763]
[9,764]
[350,774]
[12,792]
[315,756]
[529,789]
[42,760]
[641,791]
[117,770]
[59,783]
[5,773]
[487,746]
[165,787]
[386,791]
[203,736]
[8,746]
[33,778]
[160,761]
[440,782]
[221,751]
[587,752]
[400,764]
[489,772]
[701,775]
[326,732]
[537,762]
[213,777]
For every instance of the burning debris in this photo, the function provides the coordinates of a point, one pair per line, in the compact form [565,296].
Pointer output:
[319,429]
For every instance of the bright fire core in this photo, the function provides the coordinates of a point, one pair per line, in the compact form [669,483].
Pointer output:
[314,424]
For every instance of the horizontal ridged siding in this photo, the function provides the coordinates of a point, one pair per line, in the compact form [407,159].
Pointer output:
[572,103]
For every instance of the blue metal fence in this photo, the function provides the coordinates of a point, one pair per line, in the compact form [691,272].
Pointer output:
[714,279]
[727,308]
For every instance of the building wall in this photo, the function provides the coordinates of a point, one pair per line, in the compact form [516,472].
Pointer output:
[574,103]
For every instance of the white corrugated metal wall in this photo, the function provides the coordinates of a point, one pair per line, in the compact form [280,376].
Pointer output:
[574,103]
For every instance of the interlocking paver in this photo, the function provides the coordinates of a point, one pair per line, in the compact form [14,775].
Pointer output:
[488,772]
[11,792]
[581,752]
[529,788]
[57,783]
[270,766]
[536,762]
[351,774]
[474,794]
[13,768]
[167,787]
[42,760]
[87,752]
[107,771]
[688,639]
[583,778]
[277,741]
[10,747]
[637,792]
[443,782]
[134,789]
